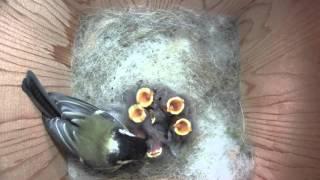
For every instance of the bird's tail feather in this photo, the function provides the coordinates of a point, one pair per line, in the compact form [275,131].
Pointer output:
[38,95]
[60,130]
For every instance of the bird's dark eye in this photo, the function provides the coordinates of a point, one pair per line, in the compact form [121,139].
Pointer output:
[159,98]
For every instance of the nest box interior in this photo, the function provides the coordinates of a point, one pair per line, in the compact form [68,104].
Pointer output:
[280,80]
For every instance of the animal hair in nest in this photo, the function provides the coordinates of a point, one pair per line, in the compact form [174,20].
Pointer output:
[194,54]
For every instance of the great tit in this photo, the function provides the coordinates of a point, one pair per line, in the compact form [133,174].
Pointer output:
[92,135]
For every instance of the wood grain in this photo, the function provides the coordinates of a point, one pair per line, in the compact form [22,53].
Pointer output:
[280,87]
[280,72]
[34,35]
[225,7]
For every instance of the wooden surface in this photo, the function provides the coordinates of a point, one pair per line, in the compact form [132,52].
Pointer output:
[280,61]
[280,79]
[226,7]
[32,36]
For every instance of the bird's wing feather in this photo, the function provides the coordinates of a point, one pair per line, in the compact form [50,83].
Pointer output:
[64,134]
[75,110]
[118,112]
[72,108]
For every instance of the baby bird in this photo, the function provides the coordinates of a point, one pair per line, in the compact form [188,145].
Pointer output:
[178,109]
[161,115]
[169,101]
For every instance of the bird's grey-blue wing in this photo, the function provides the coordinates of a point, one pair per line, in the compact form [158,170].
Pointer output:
[64,134]
[74,109]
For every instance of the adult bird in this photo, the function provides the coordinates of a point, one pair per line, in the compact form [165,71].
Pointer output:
[90,134]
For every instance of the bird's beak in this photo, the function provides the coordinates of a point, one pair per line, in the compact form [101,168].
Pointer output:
[175,105]
[137,113]
[144,97]
[155,153]
[182,127]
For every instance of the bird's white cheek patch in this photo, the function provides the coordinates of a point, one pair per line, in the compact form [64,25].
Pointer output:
[112,145]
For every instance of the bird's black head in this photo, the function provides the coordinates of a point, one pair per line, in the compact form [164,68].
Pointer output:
[130,148]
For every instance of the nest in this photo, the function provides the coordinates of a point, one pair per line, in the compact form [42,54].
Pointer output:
[196,55]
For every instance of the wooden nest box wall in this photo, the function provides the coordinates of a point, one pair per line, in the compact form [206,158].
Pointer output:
[280,79]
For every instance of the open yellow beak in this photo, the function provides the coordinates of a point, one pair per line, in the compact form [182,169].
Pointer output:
[137,113]
[175,105]
[155,153]
[144,97]
[182,127]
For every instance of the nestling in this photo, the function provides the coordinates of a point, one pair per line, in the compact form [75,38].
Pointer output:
[161,115]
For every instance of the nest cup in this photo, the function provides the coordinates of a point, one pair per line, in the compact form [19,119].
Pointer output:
[187,52]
